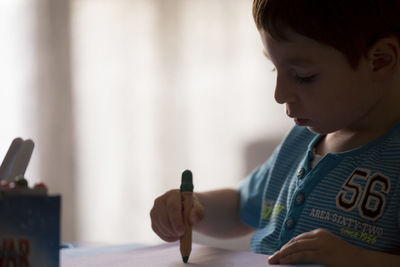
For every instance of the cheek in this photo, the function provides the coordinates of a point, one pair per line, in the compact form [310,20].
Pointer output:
[333,99]
[342,90]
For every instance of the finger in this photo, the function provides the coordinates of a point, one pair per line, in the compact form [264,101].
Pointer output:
[174,212]
[160,220]
[296,246]
[165,237]
[298,240]
[156,226]
[166,228]
[303,257]
[160,224]
[314,233]
[308,235]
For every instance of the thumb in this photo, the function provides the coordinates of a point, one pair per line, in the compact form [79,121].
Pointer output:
[197,213]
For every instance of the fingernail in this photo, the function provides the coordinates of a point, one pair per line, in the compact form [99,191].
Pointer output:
[273,258]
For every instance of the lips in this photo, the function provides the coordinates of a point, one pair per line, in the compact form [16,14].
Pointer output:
[298,120]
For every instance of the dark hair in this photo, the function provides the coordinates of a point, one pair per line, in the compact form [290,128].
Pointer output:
[350,26]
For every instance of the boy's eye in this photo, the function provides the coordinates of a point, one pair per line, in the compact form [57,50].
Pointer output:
[305,79]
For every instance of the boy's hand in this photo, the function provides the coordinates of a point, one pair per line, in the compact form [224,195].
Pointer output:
[317,247]
[166,215]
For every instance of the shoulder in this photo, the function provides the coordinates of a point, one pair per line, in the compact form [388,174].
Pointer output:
[387,145]
[393,135]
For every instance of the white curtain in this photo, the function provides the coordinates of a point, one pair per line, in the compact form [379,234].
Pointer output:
[36,95]
[120,96]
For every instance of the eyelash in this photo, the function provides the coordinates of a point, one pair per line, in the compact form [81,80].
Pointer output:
[308,79]
[300,79]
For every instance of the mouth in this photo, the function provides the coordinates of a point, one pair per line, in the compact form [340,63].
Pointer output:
[299,121]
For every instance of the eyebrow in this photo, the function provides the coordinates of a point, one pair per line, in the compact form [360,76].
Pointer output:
[298,61]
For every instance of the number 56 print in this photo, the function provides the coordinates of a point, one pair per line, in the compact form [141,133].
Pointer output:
[370,200]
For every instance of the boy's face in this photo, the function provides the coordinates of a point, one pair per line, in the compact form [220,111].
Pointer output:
[318,86]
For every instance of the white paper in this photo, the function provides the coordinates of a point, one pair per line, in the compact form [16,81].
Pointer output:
[168,255]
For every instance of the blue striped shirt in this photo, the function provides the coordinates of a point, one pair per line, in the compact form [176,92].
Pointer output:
[354,195]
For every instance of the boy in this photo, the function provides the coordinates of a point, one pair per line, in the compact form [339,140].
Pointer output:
[330,193]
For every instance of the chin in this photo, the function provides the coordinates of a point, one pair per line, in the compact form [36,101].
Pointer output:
[319,130]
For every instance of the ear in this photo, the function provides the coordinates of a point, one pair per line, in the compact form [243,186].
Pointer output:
[383,57]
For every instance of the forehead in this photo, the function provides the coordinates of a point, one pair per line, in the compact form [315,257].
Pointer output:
[296,49]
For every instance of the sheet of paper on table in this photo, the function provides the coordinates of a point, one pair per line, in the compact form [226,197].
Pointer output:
[168,255]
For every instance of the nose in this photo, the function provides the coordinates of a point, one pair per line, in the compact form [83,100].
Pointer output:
[284,92]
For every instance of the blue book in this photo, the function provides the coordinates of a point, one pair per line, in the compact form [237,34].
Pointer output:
[29,230]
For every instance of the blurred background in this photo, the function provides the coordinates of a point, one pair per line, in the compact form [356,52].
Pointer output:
[120,96]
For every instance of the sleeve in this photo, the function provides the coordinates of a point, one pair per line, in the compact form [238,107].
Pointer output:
[251,192]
